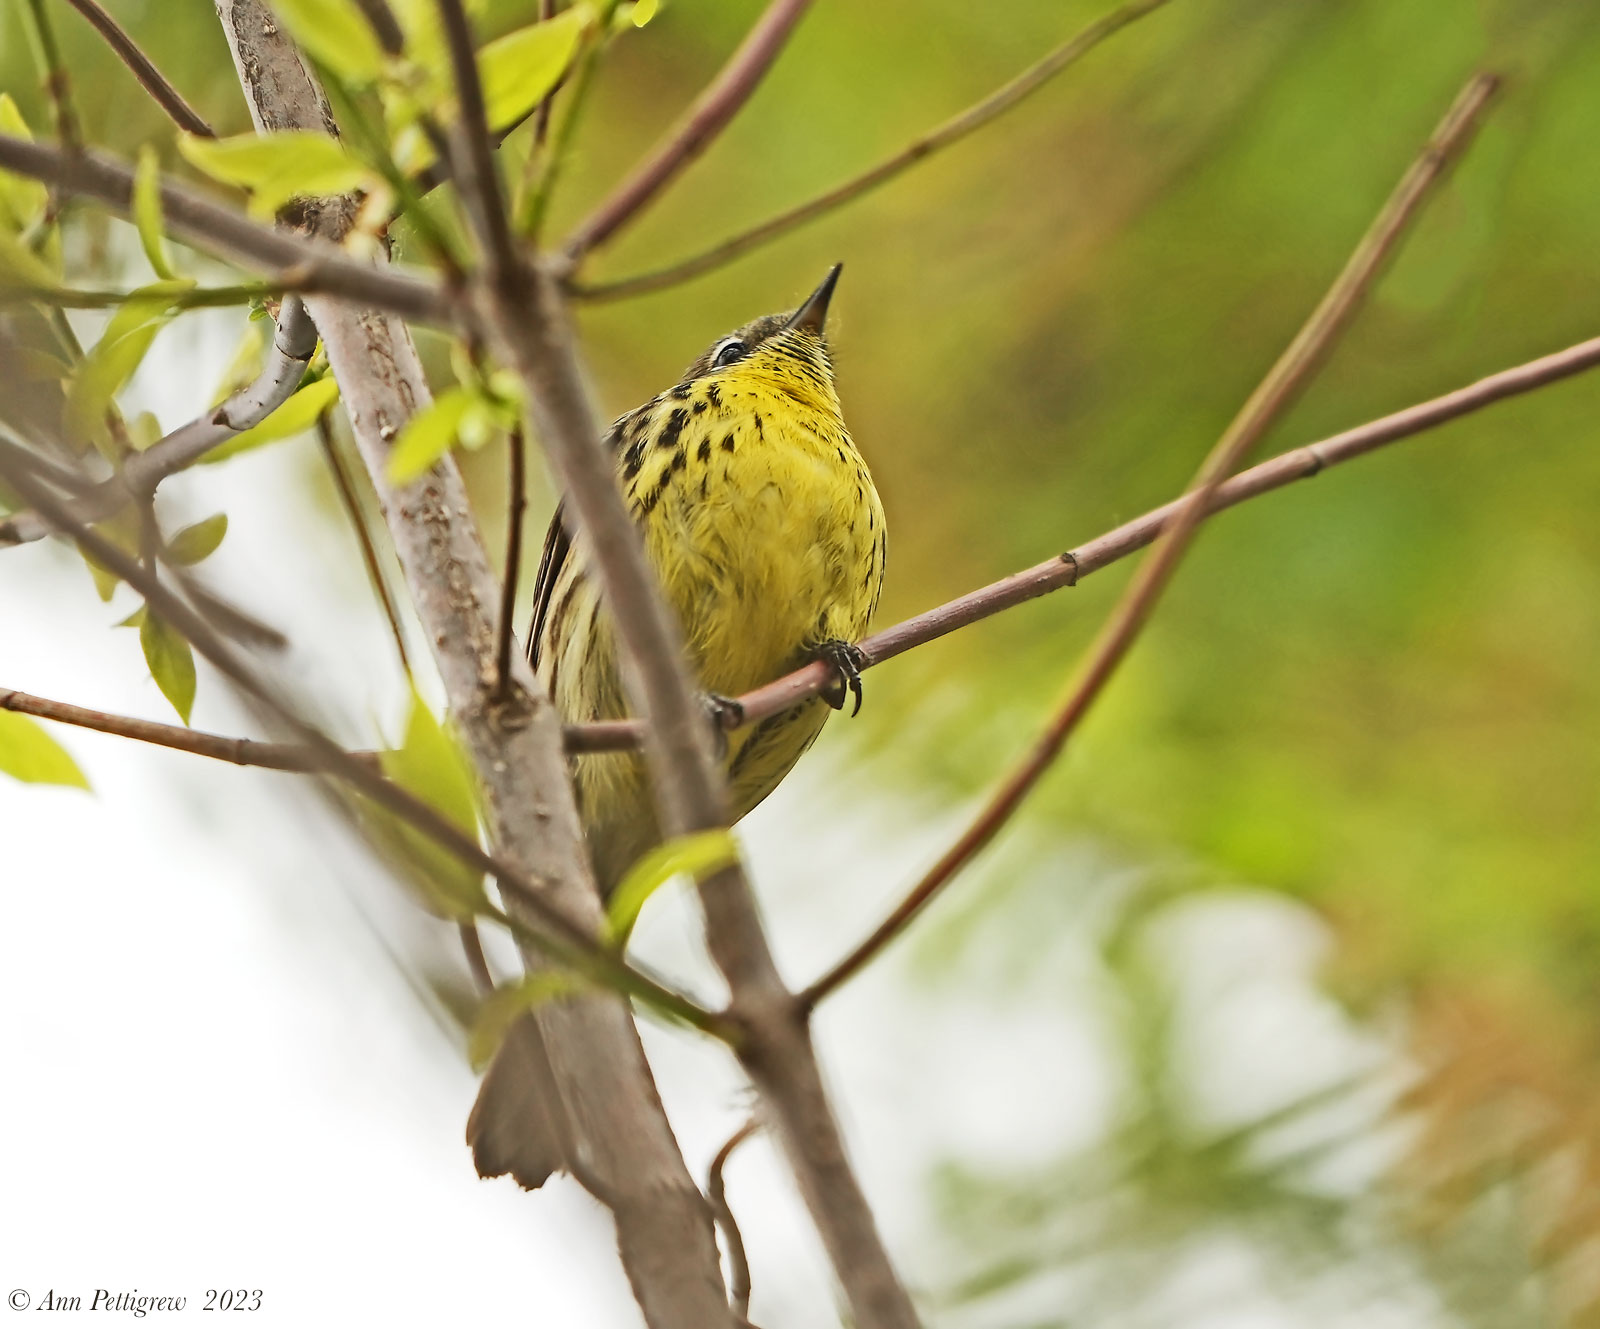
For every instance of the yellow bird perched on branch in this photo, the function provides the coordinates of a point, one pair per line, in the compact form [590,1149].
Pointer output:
[767,536]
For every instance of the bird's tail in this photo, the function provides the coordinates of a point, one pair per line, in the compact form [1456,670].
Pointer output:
[519,1125]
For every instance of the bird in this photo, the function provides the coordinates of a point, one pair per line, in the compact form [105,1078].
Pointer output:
[766,534]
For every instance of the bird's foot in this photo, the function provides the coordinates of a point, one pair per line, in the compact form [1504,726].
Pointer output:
[724,713]
[848,659]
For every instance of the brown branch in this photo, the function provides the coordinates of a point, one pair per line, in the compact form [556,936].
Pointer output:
[717,1193]
[57,83]
[295,263]
[237,751]
[477,961]
[151,79]
[358,523]
[1265,405]
[517,446]
[706,118]
[952,130]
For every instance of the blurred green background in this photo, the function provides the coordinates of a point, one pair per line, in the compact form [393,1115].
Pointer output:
[1375,692]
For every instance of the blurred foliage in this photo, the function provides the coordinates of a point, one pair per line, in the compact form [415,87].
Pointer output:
[1376,692]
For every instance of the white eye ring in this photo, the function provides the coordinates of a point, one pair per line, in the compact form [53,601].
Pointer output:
[720,355]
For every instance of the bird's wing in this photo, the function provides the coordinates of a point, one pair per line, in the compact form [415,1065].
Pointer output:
[558,546]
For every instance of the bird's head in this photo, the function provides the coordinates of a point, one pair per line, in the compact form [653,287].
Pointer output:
[787,352]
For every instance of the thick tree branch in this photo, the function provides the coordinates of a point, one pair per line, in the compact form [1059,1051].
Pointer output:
[706,118]
[151,79]
[1265,405]
[952,130]
[295,263]
[625,1144]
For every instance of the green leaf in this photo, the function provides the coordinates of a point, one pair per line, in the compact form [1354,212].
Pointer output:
[502,1008]
[29,754]
[275,168]
[643,11]
[335,35]
[147,210]
[20,267]
[199,541]
[520,68]
[430,765]
[295,416]
[110,364]
[171,663]
[22,200]
[696,855]
[428,435]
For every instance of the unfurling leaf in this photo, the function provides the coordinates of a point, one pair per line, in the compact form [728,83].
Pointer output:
[275,168]
[429,764]
[521,67]
[171,663]
[503,1007]
[696,855]
[295,416]
[147,211]
[428,435]
[335,35]
[29,754]
[199,541]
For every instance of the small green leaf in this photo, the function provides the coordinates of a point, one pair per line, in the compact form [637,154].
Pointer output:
[697,854]
[428,435]
[430,765]
[147,211]
[505,1005]
[275,168]
[171,663]
[21,268]
[521,67]
[199,541]
[120,350]
[335,35]
[134,620]
[295,416]
[105,581]
[29,754]
[22,200]
[644,11]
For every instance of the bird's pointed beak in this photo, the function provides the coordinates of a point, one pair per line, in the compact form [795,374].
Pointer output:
[812,316]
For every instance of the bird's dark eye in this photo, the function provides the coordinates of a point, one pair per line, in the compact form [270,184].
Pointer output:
[727,352]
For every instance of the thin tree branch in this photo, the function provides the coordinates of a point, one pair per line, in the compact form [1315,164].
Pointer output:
[57,83]
[517,447]
[952,130]
[64,297]
[477,961]
[293,344]
[706,118]
[358,523]
[237,751]
[151,79]
[717,1193]
[1266,404]
[295,263]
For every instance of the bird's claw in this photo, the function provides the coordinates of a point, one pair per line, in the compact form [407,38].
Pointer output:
[724,713]
[849,660]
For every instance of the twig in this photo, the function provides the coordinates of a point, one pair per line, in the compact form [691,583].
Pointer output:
[57,84]
[476,177]
[706,118]
[565,940]
[1265,405]
[516,446]
[717,1193]
[477,961]
[293,344]
[952,130]
[151,79]
[294,262]
[237,751]
[358,523]
[63,297]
